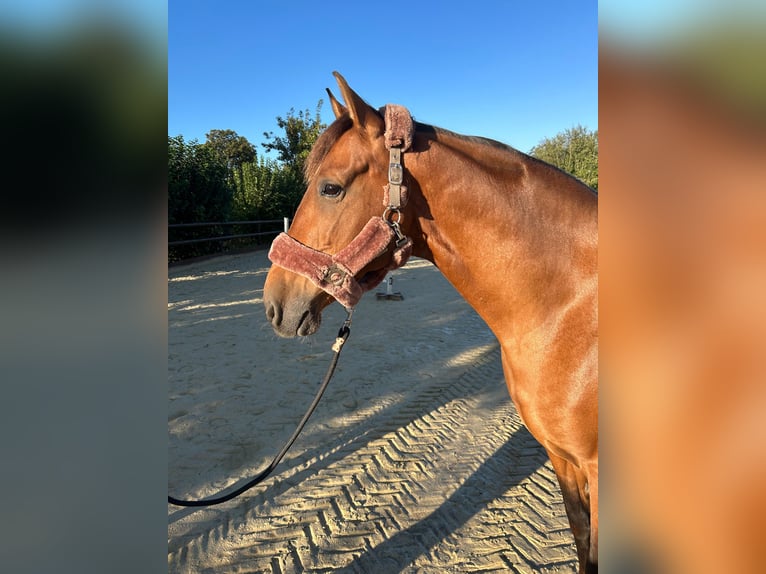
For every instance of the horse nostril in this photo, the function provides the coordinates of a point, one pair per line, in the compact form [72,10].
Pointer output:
[304,325]
[274,314]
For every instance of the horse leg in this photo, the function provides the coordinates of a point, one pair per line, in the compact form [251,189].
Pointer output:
[576,492]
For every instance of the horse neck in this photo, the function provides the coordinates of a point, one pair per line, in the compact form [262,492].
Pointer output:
[509,232]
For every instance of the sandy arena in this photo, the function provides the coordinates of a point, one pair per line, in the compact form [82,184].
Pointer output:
[415,460]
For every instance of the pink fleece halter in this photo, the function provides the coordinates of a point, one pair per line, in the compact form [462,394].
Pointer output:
[336,274]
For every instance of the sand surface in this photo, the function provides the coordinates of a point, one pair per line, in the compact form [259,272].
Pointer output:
[415,461]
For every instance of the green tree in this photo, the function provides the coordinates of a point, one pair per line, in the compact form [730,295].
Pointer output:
[233,149]
[575,151]
[301,131]
[198,186]
[224,177]
[258,199]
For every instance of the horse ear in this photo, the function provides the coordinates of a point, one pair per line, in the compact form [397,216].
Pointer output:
[363,115]
[337,108]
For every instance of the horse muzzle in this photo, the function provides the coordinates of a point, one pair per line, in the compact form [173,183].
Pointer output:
[335,274]
[293,305]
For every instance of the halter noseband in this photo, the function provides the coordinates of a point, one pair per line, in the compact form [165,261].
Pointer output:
[336,274]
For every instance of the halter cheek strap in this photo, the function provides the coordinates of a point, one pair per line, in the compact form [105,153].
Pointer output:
[398,138]
[335,274]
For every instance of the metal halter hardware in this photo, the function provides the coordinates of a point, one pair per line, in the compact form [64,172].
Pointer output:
[392,214]
[395,191]
[395,178]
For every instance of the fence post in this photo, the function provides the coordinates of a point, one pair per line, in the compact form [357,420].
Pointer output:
[287,223]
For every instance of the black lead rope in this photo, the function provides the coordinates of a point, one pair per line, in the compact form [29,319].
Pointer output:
[343,334]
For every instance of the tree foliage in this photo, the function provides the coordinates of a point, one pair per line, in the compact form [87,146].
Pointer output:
[234,149]
[198,185]
[575,151]
[224,178]
[268,191]
[301,131]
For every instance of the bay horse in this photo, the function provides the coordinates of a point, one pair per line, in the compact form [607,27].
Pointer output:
[516,237]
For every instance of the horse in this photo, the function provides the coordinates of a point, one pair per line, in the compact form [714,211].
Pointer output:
[516,237]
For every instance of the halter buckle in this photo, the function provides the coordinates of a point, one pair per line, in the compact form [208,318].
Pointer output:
[395,173]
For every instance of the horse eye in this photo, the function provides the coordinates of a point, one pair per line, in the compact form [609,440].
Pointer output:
[331,190]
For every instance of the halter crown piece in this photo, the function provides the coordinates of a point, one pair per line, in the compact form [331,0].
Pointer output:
[335,274]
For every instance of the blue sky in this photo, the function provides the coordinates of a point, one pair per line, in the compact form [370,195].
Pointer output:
[514,71]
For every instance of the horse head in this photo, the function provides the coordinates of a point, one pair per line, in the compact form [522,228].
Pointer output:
[339,245]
